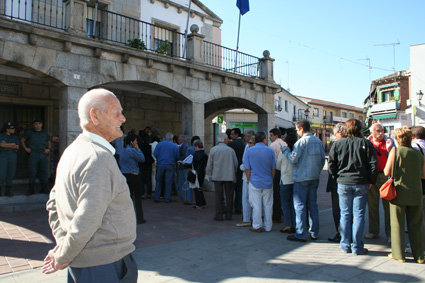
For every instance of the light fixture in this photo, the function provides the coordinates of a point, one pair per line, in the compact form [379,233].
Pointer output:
[306,112]
[419,95]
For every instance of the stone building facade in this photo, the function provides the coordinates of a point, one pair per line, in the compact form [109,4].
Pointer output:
[45,68]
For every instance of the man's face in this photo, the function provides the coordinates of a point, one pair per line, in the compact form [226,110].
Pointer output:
[272,137]
[10,131]
[111,120]
[38,126]
[378,133]
[300,131]
[233,135]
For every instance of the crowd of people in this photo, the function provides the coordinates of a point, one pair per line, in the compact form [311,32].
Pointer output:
[264,183]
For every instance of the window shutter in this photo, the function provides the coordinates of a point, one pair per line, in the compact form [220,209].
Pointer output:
[397,94]
[379,97]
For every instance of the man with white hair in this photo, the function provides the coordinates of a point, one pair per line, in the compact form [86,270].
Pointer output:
[383,146]
[221,168]
[90,210]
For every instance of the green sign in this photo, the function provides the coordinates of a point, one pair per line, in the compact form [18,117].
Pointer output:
[220,119]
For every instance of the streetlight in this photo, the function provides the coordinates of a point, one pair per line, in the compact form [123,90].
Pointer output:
[419,96]
[306,112]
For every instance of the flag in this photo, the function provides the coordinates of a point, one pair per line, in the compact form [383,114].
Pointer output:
[243,6]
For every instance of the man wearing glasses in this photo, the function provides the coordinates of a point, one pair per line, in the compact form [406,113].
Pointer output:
[382,145]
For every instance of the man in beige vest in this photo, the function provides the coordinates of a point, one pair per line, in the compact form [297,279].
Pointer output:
[90,210]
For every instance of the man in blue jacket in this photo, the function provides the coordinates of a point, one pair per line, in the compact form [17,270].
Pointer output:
[166,154]
[308,158]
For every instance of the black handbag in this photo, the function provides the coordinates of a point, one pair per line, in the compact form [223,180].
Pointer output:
[191,177]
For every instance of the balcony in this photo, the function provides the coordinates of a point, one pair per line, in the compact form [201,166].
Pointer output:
[385,107]
[107,26]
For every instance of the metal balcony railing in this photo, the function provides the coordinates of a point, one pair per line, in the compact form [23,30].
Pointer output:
[231,60]
[126,30]
[49,13]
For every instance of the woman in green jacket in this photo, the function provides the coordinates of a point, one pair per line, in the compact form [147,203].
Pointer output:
[409,167]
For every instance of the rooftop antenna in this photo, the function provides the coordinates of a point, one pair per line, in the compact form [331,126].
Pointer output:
[370,69]
[393,45]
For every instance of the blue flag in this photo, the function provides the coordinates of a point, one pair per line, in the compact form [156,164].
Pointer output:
[243,6]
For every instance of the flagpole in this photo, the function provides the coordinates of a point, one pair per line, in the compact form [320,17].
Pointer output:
[185,32]
[237,42]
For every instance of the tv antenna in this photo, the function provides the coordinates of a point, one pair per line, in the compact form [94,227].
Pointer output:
[393,45]
[369,66]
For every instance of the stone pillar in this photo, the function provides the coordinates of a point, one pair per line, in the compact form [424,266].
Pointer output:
[195,45]
[266,67]
[68,115]
[193,119]
[265,122]
[76,16]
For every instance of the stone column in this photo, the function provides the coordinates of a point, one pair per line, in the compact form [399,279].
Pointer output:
[266,67]
[76,16]
[193,119]
[68,115]
[265,122]
[195,45]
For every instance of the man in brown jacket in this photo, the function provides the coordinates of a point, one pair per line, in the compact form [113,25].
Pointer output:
[90,210]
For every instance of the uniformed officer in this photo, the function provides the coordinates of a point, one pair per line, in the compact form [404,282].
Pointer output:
[36,142]
[9,145]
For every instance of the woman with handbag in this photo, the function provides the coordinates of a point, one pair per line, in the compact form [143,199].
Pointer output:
[408,170]
[353,164]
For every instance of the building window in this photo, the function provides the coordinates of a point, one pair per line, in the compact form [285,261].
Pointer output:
[286,105]
[316,112]
[165,40]
[351,115]
[360,118]
[92,30]
[344,114]
[387,95]
[331,116]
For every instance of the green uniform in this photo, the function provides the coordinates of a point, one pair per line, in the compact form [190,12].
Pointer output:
[7,161]
[37,163]
[408,203]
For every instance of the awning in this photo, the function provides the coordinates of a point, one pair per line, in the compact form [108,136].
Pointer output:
[384,116]
[282,123]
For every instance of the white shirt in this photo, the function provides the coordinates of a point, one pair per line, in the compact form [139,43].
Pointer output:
[100,140]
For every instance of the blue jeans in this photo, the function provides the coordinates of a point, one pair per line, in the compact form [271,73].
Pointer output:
[287,200]
[164,173]
[352,201]
[185,191]
[305,196]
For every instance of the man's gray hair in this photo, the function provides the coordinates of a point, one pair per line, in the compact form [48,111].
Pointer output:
[374,126]
[249,133]
[169,136]
[95,98]
[339,127]
[183,137]
[222,137]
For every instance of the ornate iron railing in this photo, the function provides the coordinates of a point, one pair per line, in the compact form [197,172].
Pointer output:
[126,30]
[231,60]
[49,13]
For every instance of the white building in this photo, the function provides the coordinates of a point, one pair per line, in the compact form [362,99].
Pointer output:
[417,85]
[288,109]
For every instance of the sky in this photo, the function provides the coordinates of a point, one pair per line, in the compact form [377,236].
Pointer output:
[319,45]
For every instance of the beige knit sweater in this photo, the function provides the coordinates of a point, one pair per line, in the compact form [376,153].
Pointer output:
[90,210]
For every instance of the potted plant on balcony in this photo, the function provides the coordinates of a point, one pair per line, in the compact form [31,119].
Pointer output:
[163,48]
[136,43]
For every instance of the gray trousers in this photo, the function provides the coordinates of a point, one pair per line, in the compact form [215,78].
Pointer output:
[121,271]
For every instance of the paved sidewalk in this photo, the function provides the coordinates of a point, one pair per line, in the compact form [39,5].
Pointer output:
[181,244]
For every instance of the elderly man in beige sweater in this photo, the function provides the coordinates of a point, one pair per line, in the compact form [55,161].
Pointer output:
[90,210]
[221,169]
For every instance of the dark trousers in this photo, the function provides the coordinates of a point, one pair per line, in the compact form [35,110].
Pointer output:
[199,197]
[223,199]
[37,166]
[277,205]
[238,192]
[336,211]
[146,181]
[123,271]
[136,195]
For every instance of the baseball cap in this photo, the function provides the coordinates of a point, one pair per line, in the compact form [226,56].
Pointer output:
[38,120]
[9,125]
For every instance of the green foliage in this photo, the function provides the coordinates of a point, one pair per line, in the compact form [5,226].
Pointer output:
[137,43]
[163,48]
